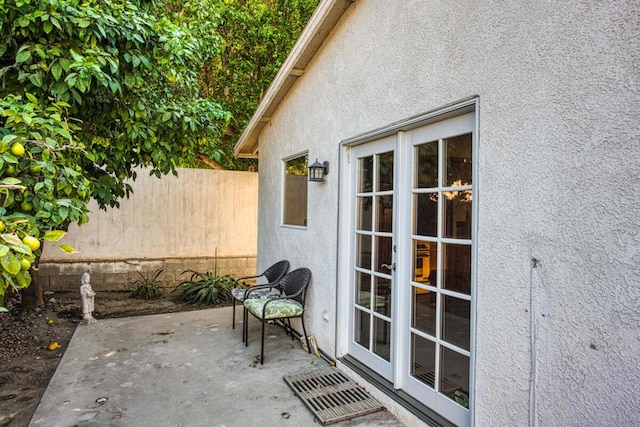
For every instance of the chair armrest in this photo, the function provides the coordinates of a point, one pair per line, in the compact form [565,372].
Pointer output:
[258,287]
[239,280]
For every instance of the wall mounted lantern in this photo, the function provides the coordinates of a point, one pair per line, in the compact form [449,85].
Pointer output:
[318,170]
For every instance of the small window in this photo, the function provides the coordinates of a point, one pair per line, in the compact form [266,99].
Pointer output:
[295,191]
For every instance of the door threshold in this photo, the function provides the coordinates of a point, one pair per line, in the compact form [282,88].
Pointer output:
[423,412]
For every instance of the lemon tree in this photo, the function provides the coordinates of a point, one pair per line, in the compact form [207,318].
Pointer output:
[90,90]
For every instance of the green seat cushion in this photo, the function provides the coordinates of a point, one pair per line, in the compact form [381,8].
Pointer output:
[276,309]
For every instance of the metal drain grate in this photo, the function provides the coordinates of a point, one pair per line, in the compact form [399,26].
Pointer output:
[331,395]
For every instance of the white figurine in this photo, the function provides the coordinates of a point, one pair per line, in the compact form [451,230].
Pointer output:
[88,296]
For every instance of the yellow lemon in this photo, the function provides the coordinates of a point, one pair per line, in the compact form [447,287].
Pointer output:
[26,206]
[17,149]
[32,242]
[25,264]
[52,346]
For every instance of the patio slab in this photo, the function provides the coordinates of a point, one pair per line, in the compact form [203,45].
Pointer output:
[180,369]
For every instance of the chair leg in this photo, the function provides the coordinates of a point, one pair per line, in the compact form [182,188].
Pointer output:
[233,319]
[305,334]
[245,328]
[262,344]
[245,321]
[290,329]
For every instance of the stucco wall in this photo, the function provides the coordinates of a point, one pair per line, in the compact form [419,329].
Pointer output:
[558,88]
[176,223]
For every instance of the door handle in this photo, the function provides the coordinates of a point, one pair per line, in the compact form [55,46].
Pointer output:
[391,267]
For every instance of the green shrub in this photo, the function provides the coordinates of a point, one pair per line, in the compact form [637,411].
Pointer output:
[148,287]
[206,288]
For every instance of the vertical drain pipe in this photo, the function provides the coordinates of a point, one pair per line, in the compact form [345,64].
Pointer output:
[533,328]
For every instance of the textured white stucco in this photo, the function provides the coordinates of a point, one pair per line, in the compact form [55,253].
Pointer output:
[559,114]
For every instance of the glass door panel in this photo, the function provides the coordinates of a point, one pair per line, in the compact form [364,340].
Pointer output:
[374,199]
[427,165]
[385,171]
[384,214]
[423,360]
[457,165]
[426,214]
[364,213]
[365,174]
[454,376]
[363,289]
[362,327]
[456,260]
[442,212]
[363,250]
[440,298]
[424,310]
[382,344]
[457,214]
[455,321]
[425,261]
[383,296]
[384,246]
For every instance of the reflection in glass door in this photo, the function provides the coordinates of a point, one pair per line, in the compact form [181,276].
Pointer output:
[373,260]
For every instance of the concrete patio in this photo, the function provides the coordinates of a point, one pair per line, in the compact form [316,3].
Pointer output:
[180,369]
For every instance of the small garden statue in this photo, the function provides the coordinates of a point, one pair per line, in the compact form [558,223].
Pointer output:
[88,296]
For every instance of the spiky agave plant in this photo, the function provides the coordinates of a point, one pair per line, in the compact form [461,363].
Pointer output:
[207,288]
[149,286]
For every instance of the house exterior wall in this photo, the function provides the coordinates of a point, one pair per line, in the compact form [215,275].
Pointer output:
[557,335]
[175,223]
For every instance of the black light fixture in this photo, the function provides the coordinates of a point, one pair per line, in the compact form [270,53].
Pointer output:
[318,170]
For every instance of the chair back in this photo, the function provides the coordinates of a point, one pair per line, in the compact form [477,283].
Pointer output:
[294,284]
[276,271]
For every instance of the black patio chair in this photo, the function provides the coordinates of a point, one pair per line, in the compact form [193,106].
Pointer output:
[272,275]
[288,305]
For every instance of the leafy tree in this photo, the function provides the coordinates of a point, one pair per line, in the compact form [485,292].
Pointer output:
[257,36]
[89,91]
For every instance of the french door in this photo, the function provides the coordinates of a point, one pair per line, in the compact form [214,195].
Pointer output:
[373,175]
[412,269]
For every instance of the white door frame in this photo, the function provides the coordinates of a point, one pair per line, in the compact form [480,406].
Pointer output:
[346,209]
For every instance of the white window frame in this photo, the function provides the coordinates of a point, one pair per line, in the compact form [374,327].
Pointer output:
[283,192]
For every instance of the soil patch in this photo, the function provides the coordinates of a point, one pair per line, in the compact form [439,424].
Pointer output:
[25,338]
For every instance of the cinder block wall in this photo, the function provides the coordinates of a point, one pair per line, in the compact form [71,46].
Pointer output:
[122,275]
[176,223]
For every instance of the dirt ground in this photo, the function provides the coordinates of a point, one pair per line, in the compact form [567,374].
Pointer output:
[26,363]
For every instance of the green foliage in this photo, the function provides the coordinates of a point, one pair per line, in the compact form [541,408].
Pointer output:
[257,36]
[206,288]
[94,89]
[149,286]
[129,75]
[91,90]
[298,166]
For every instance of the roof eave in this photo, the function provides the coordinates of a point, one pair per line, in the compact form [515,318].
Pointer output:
[315,32]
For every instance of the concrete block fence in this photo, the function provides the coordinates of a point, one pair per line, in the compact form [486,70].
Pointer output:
[121,275]
[176,223]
